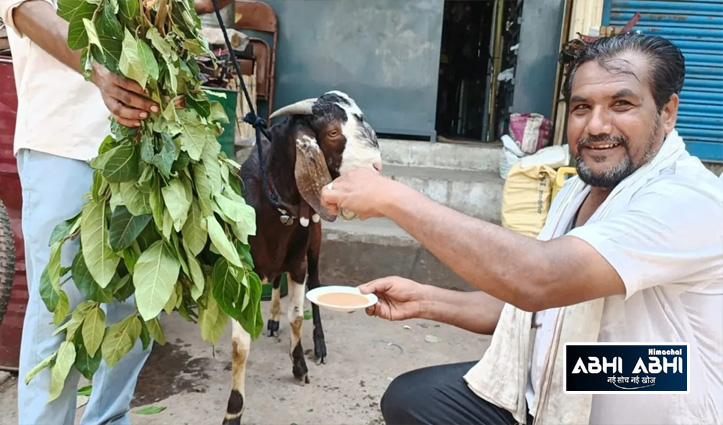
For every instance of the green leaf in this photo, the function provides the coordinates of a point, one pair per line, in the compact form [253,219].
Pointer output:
[145,336]
[59,371]
[135,200]
[196,275]
[221,242]
[148,61]
[91,33]
[159,43]
[75,12]
[155,200]
[203,187]
[217,113]
[37,368]
[124,288]
[149,410]
[211,319]
[125,228]
[85,283]
[154,277]
[93,330]
[172,77]
[64,229]
[194,136]
[53,266]
[177,200]
[86,390]
[99,258]
[129,9]
[61,310]
[48,293]
[154,328]
[172,301]
[122,164]
[194,231]
[130,62]
[86,364]
[251,318]
[164,159]
[110,35]
[167,224]
[226,287]
[119,339]
[213,167]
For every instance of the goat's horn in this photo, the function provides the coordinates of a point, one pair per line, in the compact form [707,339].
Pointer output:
[302,107]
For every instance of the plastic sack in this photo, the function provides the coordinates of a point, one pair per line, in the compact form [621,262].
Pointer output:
[530,131]
[527,197]
[509,155]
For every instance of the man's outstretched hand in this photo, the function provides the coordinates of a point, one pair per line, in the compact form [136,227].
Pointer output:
[123,97]
[399,298]
[361,191]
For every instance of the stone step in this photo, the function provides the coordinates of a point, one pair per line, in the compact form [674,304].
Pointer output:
[475,193]
[455,156]
[357,252]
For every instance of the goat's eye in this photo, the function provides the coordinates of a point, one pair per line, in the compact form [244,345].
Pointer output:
[333,133]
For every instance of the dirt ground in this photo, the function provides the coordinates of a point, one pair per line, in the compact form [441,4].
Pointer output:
[192,383]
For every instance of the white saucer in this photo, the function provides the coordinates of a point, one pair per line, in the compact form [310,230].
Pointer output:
[314,294]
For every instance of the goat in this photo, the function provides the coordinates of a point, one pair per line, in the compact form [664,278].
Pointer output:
[329,136]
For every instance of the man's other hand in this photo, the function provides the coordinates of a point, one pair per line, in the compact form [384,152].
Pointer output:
[125,98]
[361,191]
[399,298]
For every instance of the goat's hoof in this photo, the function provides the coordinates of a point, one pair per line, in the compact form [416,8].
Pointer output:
[302,380]
[273,328]
[320,351]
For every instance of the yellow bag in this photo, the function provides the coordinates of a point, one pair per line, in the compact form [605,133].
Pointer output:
[563,173]
[527,197]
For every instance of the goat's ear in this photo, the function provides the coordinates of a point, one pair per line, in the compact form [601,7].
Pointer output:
[311,174]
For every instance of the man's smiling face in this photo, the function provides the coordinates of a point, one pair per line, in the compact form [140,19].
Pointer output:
[614,126]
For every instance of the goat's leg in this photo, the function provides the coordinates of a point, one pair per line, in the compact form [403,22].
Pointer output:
[241,343]
[297,291]
[273,325]
[313,266]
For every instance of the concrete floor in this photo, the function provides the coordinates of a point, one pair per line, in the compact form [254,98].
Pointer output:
[365,353]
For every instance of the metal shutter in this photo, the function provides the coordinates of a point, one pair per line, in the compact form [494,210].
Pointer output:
[696,27]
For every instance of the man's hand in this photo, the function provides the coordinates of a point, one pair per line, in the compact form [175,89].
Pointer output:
[399,299]
[361,191]
[124,98]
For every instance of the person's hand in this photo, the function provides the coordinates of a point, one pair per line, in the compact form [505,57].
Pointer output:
[123,97]
[399,298]
[361,191]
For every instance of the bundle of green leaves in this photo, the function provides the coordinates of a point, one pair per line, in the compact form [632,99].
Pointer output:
[164,220]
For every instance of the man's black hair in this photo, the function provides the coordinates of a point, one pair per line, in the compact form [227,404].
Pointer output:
[666,62]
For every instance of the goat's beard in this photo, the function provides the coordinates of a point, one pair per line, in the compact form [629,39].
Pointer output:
[614,175]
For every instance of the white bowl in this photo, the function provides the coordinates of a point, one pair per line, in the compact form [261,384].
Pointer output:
[314,294]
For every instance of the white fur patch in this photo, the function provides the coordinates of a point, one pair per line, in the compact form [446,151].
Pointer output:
[315,218]
[304,221]
[358,152]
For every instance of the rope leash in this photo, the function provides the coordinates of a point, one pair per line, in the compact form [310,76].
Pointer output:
[258,123]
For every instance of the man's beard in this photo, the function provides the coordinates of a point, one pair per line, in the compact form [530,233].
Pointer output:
[611,177]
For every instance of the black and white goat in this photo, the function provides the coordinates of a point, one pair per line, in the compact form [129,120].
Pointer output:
[320,140]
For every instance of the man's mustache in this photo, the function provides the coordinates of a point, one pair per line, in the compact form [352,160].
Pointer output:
[604,138]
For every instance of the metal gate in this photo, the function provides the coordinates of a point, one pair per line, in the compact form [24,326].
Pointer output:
[696,27]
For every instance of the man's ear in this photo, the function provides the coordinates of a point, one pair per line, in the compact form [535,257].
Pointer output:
[670,113]
[311,174]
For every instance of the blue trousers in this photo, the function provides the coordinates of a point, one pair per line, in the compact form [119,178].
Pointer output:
[52,191]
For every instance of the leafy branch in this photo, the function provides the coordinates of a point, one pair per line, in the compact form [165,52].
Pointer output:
[164,220]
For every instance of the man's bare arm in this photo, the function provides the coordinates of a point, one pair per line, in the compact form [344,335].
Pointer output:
[525,272]
[38,20]
[473,311]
